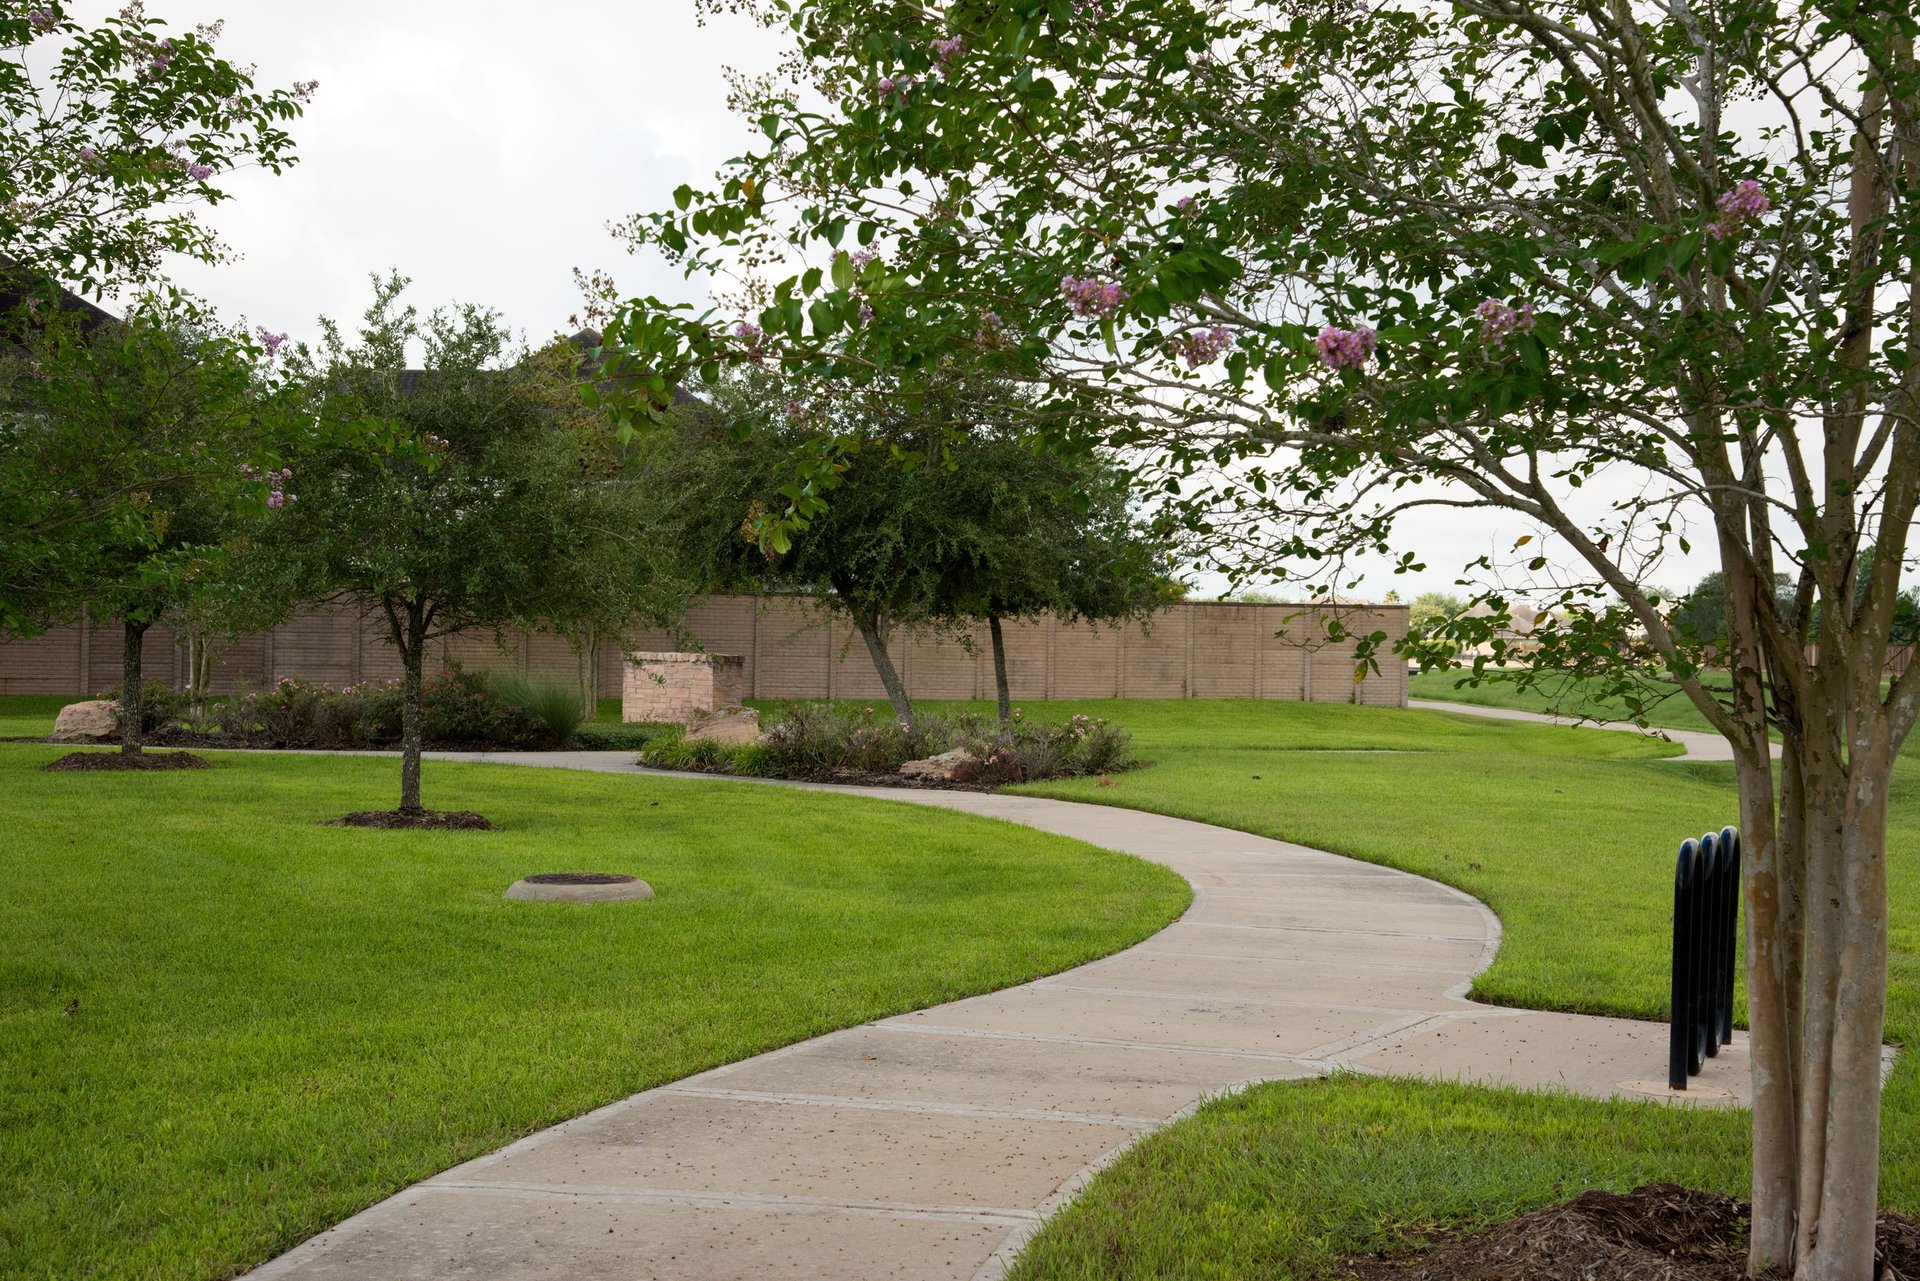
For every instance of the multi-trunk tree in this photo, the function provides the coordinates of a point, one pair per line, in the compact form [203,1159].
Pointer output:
[1623,276]
[943,514]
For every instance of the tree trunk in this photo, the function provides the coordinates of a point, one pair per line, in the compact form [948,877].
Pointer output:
[1817,977]
[872,633]
[133,701]
[1000,670]
[409,628]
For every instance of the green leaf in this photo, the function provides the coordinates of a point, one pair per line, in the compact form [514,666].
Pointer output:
[842,271]
[683,196]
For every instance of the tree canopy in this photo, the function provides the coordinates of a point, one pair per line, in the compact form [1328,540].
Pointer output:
[117,137]
[1623,276]
[474,494]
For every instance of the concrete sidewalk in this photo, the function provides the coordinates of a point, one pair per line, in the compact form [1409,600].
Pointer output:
[932,1144]
[1700,745]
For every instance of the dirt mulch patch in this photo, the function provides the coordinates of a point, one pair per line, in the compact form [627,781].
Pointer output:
[118,760]
[1661,1232]
[431,820]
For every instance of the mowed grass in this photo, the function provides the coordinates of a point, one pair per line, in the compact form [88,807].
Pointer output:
[224,1027]
[30,715]
[1569,834]
[1286,1181]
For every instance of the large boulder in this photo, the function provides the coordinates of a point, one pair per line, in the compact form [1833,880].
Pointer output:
[730,727]
[87,722]
[957,766]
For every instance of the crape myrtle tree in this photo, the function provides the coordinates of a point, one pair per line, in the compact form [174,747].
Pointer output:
[117,137]
[1630,274]
[135,454]
[478,493]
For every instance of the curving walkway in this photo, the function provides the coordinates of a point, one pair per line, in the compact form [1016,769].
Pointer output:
[931,1145]
[1699,745]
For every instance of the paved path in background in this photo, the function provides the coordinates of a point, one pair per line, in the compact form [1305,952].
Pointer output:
[931,1145]
[1701,745]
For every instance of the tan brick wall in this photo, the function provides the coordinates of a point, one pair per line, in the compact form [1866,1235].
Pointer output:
[790,648]
[680,688]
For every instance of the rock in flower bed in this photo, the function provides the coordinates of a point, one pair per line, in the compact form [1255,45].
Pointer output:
[840,742]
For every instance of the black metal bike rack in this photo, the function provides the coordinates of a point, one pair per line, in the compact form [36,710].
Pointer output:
[1706,916]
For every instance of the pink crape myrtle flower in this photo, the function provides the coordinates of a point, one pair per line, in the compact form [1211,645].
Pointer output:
[1203,348]
[1746,202]
[1091,298]
[1498,321]
[1345,348]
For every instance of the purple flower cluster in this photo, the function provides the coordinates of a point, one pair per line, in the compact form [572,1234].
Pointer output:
[1738,207]
[863,258]
[751,337]
[990,330]
[40,19]
[866,312]
[891,87]
[1498,322]
[271,341]
[199,172]
[1090,298]
[88,155]
[303,90]
[1345,348]
[276,482]
[945,51]
[1184,205]
[1203,348]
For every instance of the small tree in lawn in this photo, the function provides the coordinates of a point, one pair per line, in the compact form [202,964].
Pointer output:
[1059,535]
[132,454]
[117,137]
[475,494]
[1621,274]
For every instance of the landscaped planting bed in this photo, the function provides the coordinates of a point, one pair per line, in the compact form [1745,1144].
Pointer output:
[862,743]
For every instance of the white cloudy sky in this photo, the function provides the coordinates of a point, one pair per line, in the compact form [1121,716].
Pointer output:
[482,148]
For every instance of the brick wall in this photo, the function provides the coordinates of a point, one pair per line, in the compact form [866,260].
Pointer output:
[790,648]
[680,688]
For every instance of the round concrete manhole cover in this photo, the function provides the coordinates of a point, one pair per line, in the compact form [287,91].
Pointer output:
[580,887]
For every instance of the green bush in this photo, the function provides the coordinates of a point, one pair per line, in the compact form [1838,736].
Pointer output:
[811,739]
[599,736]
[556,705]
[161,706]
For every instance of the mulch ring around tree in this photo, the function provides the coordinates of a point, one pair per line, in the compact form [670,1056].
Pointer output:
[429,820]
[118,760]
[1660,1232]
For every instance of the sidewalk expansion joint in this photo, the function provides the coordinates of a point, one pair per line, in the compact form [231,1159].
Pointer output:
[1309,1061]
[914,1105]
[754,1202]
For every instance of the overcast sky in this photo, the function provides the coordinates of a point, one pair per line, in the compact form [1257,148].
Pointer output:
[482,148]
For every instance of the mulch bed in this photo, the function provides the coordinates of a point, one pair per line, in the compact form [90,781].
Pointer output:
[842,777]
[1660,1232]
[118,760]
[431,820]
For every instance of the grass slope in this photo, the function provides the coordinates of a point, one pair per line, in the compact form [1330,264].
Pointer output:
[279,1023]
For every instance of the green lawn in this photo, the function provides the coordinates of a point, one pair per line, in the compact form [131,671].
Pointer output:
[30,715]
[224,1027]
[1569,835]
[1667,708]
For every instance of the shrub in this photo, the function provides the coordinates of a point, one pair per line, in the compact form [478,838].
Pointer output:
[161,706]
[598,736]
[813,738]
[671,751]
[555,705]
